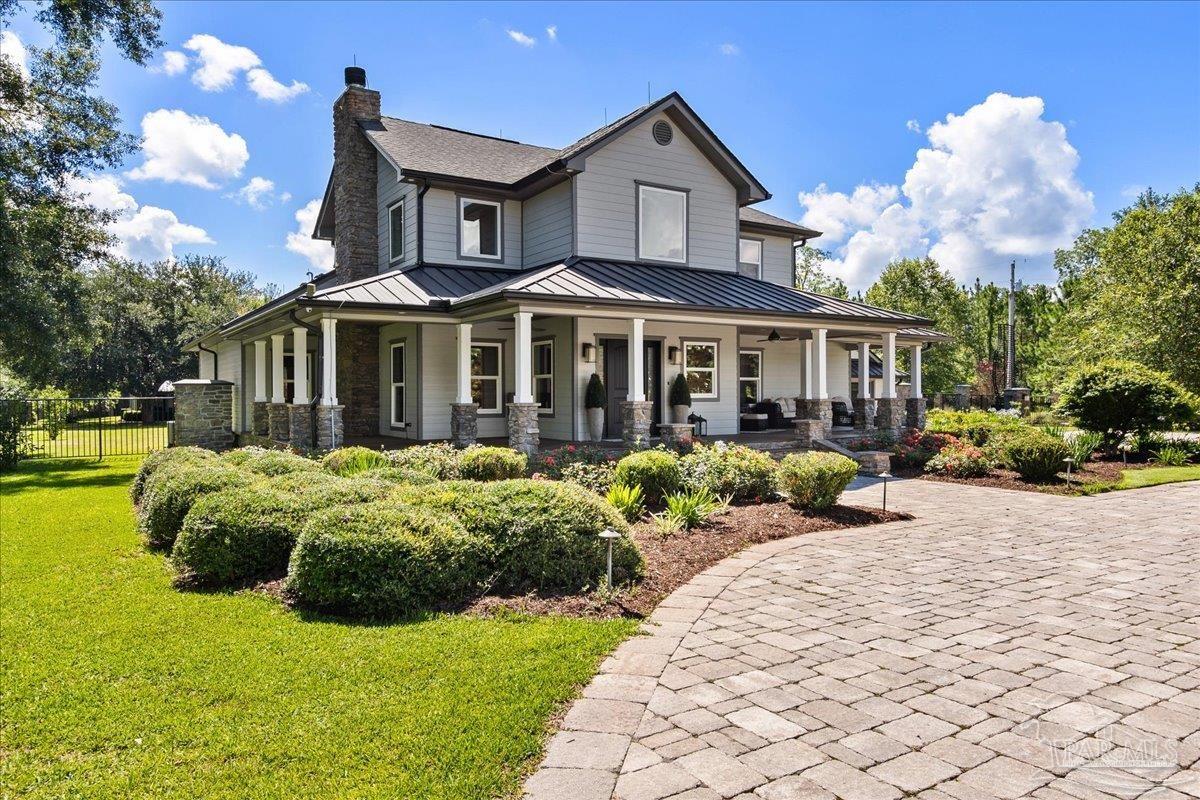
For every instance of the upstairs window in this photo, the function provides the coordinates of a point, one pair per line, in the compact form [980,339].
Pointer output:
[478,228]
[662,224]
[750,257]
[396,232]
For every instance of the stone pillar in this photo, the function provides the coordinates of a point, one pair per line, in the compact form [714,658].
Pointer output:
[523,433]
[278,427]
[864,413]
[1017,397]
[204,413]
[300,426]
[358,375]
[962,396]
[807,431]
[464,424]
[635,422]
[821,411]
[330,434]
[355,185]
[914,412]
[260,421]
[676,435]
[890,414]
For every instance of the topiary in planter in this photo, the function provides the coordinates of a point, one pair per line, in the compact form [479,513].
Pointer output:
[162,458]
[814,481]
[656,471]
[347,461]
[385,560]
[170,493]
[491,464]
[681,393]
[595,396]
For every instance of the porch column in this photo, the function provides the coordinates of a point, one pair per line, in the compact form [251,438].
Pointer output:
[299,416]
[864,406]
[890,414]
[914,379]
[277,414]
[808,369]
[816,389]
[637,410]
[821,389]
[464,414]
[259,424]
[330,427]
[914,406]
[523,411]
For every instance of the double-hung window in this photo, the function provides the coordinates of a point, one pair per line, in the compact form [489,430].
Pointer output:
[543,376]
[396,232]
[398,385]
[289,377]
[750,376]
[662,224]
[486,379]
[750,257]
[479,224]
[700,369]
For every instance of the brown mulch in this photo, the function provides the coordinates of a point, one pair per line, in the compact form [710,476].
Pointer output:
[672,561]
[1092,472]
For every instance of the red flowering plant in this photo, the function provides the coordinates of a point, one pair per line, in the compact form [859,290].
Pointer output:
[554,462]
[916,447]
[960,460]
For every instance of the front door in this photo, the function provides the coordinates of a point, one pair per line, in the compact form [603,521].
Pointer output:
[616,382]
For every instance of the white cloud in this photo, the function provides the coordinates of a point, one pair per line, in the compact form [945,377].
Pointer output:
[148,233]
[913,126]
[258,193]
[520,38]
[552,32]
[729,49]
[996,182]
[173,63]
[220,63]
[319,253]
[13,49]
[181,148]
[1132,191]
[265,87]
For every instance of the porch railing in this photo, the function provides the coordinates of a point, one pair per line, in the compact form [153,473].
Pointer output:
[87,427]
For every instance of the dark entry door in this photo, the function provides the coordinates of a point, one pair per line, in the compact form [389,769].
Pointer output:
[616,382]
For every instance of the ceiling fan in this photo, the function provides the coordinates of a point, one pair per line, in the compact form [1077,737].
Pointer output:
[774,336]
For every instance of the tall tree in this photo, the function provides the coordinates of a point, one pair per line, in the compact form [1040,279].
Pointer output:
[812,277]
[53,126]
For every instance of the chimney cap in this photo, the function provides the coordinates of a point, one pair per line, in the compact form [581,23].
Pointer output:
[356,76]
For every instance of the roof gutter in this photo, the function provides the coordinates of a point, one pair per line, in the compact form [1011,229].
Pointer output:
[216,363]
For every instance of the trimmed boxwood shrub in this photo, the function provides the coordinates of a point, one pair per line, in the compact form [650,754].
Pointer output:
[439,459]
[262,461]
[491,464]
[347,461]
[385,560]
[1036,455]
[1118,398]
[734,471]
[320,489]
[656,471]
[161,458]
[544,535]
[394,475]
[170,492]
[230,536]
[814,481]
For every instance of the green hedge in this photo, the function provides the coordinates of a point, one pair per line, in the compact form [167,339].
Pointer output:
[1036,455]
[439,460]
[656,471]
[814,481]
[169,493]
[394,475]
[491,464]
[976,426]
[348,461]
[733,471]
[269,462]
[381,560]
[161,458]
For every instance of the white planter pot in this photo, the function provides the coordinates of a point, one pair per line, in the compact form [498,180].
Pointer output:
[595,421]
[681,413]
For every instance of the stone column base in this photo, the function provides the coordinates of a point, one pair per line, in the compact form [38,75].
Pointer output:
[914,413]
[260,423]
[808,431]
[464,424]
[676,435]
[819,410]
[204,414]
[300,426]
[864,413]
[523,433]
[890,413]
[330,432]
[277,422]
[635,422]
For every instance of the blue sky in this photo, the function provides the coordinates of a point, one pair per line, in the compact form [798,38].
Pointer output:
[841,95]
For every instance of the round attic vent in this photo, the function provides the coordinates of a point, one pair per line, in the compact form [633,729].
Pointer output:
[662,133]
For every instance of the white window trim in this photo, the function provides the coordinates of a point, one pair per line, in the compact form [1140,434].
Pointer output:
[758,396]
[393,256]
[499,206]
[397,422]
[686,343]
[549,410]
[290,383]
[641,228]
[759,264]
[498,377]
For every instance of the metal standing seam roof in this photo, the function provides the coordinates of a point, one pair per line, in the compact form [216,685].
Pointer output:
[416,286]
[876,369]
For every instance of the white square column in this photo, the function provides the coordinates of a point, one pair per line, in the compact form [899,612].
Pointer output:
[260,370]
[889,366]
[807,368]
[637,355]
[463,364]
[864,370]
[820,369]
[524,356]
[329,362]
[914,378]
[277,392]
[300,365]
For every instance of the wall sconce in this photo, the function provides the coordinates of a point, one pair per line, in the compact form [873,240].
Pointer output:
[589,352]
[673,355]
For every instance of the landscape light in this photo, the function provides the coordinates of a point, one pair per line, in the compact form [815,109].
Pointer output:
[609,534]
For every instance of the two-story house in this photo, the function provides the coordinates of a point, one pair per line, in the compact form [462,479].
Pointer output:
[479,283]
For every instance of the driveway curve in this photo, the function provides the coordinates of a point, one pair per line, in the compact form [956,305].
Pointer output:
[1000,645]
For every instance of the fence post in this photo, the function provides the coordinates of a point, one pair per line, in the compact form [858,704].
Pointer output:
[99,436]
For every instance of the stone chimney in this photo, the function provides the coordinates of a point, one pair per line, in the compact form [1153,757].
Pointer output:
[356,239]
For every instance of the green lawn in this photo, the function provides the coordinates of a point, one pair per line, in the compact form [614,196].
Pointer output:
[1153,476]
[117,685]
[83,439]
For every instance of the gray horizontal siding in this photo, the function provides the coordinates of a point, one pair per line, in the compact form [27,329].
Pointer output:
[389,191]
[606,198]
[547,221]
[441,231]
[777,266]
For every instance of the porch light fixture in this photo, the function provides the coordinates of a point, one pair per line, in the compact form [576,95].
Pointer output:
[609,534]
[589,352]
[673,355]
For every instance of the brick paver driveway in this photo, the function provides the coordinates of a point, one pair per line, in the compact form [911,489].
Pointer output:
[1003,644]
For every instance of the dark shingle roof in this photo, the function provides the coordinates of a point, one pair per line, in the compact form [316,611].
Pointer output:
[752,216]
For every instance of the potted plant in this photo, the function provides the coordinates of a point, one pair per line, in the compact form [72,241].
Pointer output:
[681,399]
[595,401]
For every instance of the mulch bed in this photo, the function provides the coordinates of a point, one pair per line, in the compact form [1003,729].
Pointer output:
[1092,472]
[672,561]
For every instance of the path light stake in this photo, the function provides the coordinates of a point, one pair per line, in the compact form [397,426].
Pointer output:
[885,475]
[609,534]
[1068,461]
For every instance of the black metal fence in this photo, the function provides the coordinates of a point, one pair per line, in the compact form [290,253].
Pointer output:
[88,427]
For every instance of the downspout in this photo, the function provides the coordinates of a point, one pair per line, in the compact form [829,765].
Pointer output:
[214,355]
[421,221]
[318,387]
